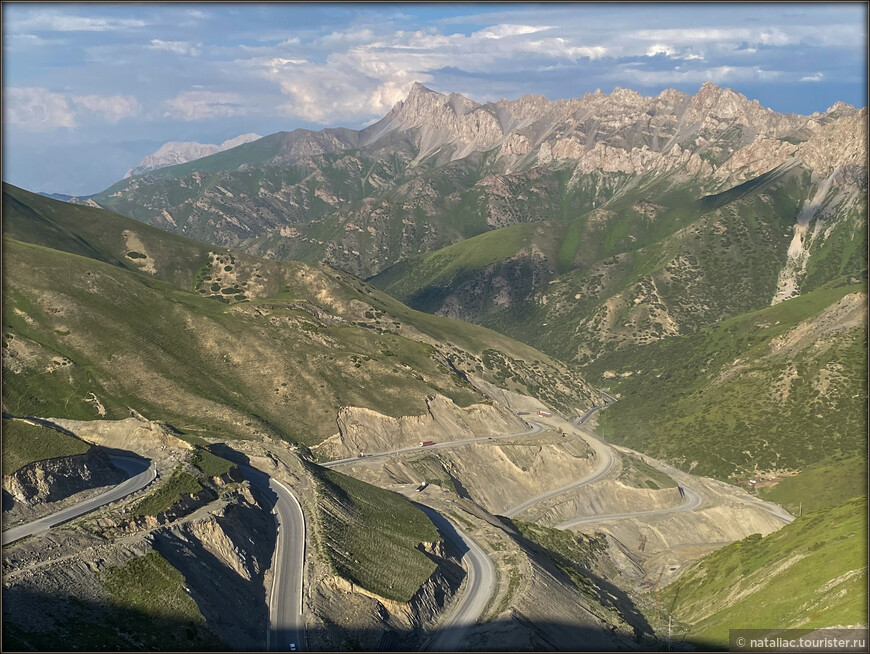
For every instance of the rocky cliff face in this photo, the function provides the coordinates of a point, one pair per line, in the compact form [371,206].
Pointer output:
[53,480]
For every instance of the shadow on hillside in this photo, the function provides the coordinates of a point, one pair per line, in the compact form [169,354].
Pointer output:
[610,595]
[34,621]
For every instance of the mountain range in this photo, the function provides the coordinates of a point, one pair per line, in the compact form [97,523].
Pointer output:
[590,228]
[694,265]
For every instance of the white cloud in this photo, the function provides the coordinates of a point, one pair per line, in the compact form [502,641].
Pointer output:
[815,77]
[29,40]
[348,37]
[323,94]
[369,70]
[658,49]
[504,30]
[715,74]
[203,105]
[54,22]
[686,36]
[36,109]
[176,47]
[558,47]
[113,108]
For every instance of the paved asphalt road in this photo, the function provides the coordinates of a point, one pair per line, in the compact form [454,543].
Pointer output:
[140,476]
[479,587]
[604,454]
[536,429]
[691,501]
[288,564]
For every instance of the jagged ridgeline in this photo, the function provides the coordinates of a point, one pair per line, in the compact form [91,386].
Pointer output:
[439,169]
[616,232]
[103,314]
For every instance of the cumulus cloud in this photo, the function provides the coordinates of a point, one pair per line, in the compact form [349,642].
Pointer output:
[176,47]
[112,108]
[369,70]
[36,109]
[347,37]
[658,49]
[203,105]
[815,77]
[325,93]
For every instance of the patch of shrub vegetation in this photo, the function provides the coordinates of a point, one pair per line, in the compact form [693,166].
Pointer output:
[168,493]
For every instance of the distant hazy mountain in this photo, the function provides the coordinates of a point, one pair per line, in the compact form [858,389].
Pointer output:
[177,152]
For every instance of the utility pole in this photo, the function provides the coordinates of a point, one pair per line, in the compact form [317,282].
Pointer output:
[669,632]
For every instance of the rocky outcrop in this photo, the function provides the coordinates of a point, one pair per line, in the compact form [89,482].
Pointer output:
[154,440]
[223,556]
[53,480]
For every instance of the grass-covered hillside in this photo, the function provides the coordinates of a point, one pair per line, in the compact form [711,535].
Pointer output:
[24,443]
[370,536]
[820,485]
[145,607]
[782,388]
[811,573]
[236,346]
[635,271]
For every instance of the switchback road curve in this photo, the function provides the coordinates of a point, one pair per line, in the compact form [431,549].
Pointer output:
[141,474]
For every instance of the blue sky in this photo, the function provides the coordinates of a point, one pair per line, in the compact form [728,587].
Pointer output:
[89,89]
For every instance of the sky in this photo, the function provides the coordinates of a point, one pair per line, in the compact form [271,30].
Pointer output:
[89,89]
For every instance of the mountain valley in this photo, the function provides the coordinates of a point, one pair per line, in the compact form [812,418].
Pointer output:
[512,375]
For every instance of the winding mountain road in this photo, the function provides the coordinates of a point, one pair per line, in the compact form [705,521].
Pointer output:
[140,476]
[480,584]
[288,564]
[691,501]
[536,428]
[604,453]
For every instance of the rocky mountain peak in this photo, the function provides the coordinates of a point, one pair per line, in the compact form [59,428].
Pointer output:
[178,152]
[418,89]
[446,114]
[840,106]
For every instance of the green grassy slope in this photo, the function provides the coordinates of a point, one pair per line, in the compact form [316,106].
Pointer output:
[370,536]
[631,271]
[820,486]
[809,574]
[82,230]
[306,342]
[168,493]
[24,443]
[780,388]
